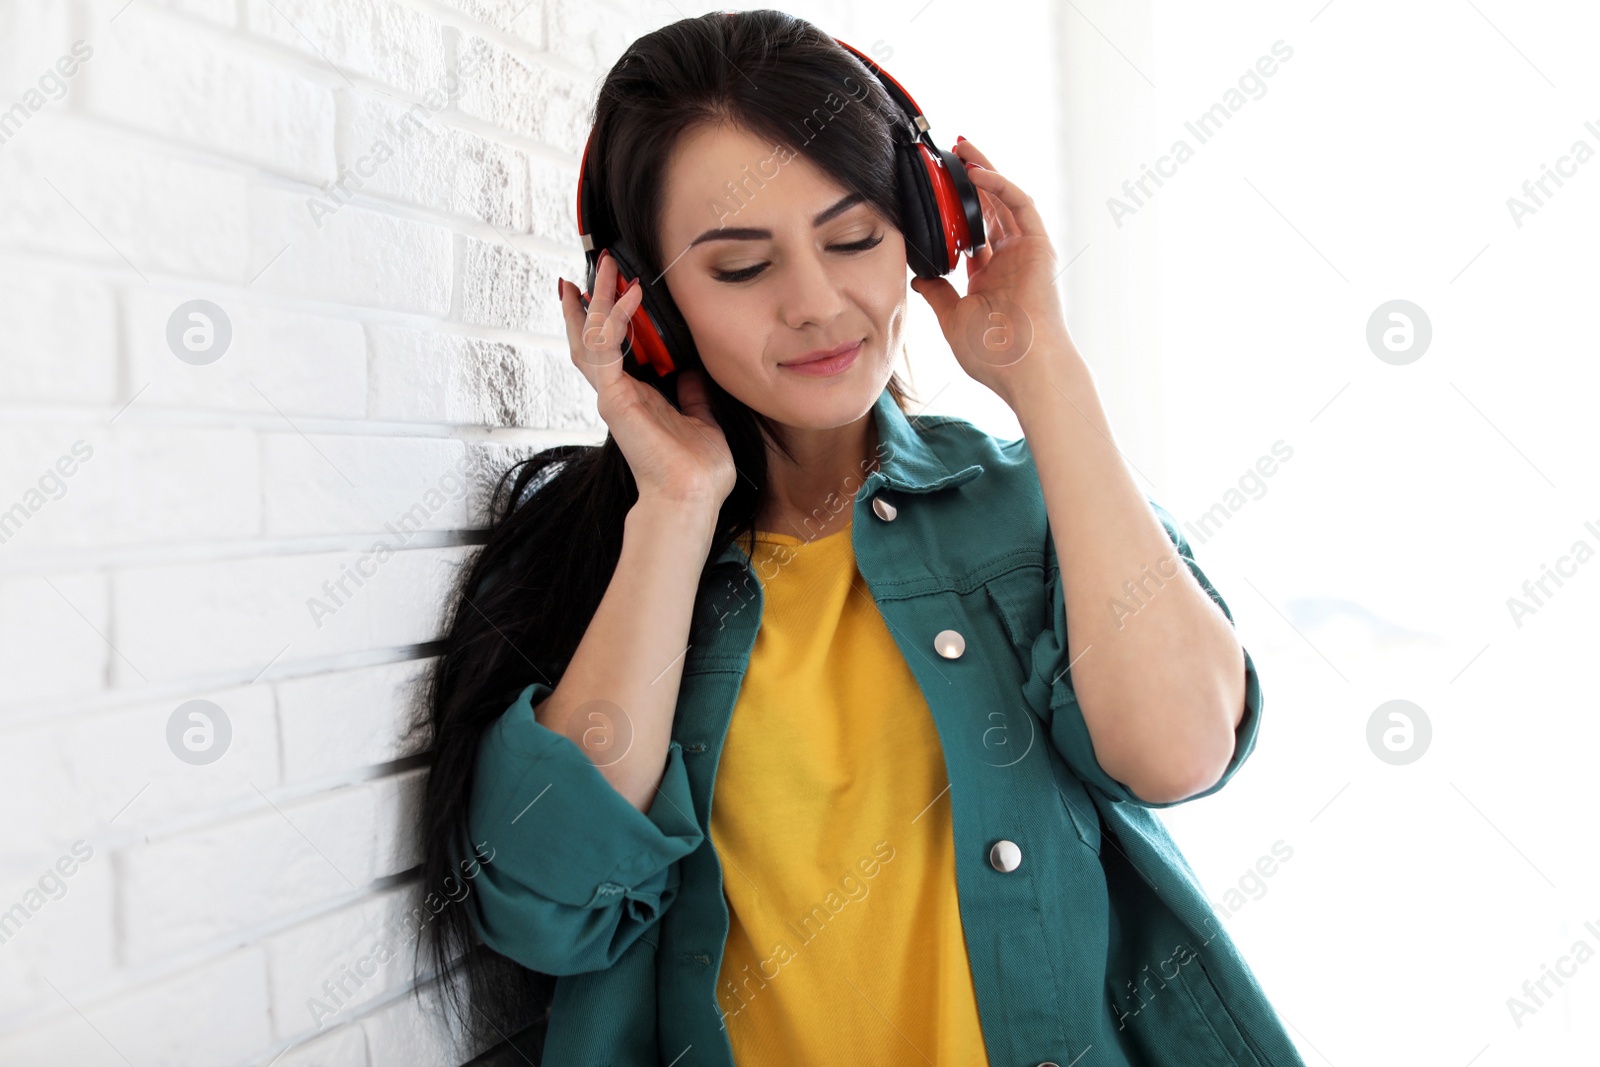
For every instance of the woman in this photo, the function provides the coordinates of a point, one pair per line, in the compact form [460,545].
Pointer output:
[755,724]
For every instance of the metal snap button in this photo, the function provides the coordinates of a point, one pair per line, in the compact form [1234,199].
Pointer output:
[949,644]
[1005,856]
[883,509]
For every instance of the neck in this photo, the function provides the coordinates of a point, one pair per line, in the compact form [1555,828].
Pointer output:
[812,495]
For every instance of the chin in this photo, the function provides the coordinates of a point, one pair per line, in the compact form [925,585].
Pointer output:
[807,403]
[823,403]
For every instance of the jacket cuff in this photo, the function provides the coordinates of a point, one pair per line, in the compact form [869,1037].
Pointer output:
[558,827]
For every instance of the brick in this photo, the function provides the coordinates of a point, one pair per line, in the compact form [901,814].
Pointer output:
[228,999]
[177,483]
[68,779]
[404,1032]
[68,935]
[51,468]
[179,620]
[224,1020]
[65,1039]
[516,18]
[140,482]
[51,471]
[419,376]
[343,721]
[338,483]
[398,800]
[343,1047]
[522,97]
[222,12]
[123,755]
[571,398]
[82,194]
[585,34]
[504,287]
[171,77]
[50,635]
[377,39]
[278,362]
[320,972]
[33,35]
[60,331]
[347,254]
[214,881]
[405,154]
[553,209]
[35,770]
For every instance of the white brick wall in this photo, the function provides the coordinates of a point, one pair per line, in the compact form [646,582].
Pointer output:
[378,194]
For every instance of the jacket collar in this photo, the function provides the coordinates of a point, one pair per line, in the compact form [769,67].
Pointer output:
[905,462]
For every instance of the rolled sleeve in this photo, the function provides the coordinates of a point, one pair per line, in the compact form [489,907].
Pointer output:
[1050,687]
[577,873]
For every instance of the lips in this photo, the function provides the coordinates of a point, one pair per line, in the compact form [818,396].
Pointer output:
[814,357]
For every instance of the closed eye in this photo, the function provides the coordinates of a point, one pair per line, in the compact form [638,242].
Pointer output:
[745,274]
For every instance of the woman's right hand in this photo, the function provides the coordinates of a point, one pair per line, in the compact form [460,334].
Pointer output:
[679,458]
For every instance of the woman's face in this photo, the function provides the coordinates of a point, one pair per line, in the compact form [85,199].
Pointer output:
[761,282]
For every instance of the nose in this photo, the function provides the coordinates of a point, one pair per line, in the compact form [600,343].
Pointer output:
[811,296]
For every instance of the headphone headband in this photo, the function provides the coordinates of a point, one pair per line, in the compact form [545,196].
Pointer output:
[942,216]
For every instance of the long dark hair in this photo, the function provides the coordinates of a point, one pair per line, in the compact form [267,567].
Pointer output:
[556,518]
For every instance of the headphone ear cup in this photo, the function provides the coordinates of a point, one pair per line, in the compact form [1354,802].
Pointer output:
[919,213]
[959,199]
[659,341]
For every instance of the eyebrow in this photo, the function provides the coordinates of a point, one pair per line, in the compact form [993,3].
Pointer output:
[748,234]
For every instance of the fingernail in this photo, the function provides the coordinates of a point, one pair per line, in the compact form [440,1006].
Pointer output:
[959,138]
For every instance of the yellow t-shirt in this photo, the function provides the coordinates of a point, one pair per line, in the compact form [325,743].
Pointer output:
[831,817]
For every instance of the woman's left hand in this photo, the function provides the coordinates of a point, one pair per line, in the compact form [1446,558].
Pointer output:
[1010,322]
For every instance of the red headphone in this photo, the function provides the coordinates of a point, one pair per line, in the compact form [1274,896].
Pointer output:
[939,206]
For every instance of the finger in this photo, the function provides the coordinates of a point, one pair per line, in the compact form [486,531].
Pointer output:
[603,337]
[1029,222]
[980,259]
[598,302]
[601,301]
[965,150]
[940,295]
[605,284]
[693,398]
[595,342]
[994,228]
[1004,223]
[997,218]
[573,315]
[991,236]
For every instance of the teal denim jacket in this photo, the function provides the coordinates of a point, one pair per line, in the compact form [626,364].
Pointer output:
[1100,941]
